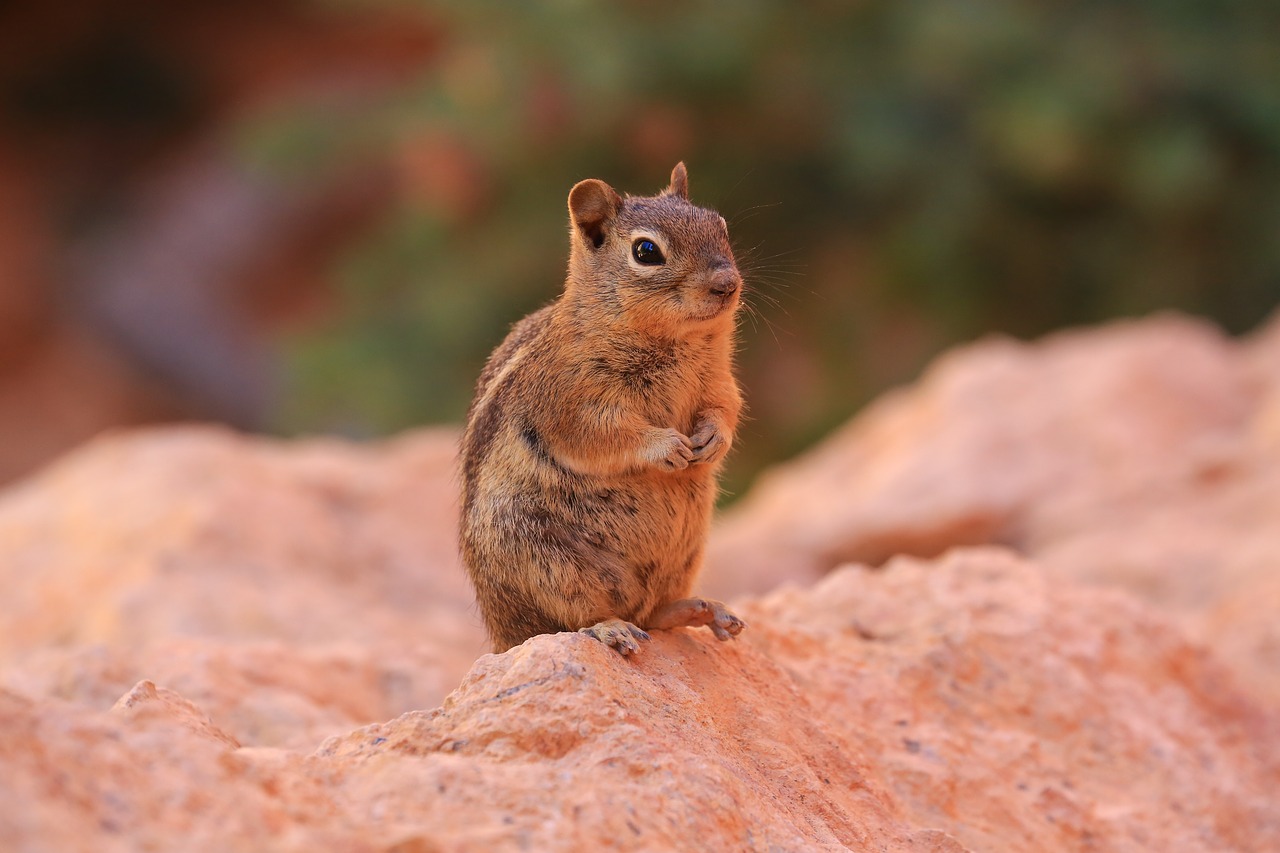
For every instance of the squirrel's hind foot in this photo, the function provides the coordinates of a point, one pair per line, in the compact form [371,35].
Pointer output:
[693,612]
[618,634]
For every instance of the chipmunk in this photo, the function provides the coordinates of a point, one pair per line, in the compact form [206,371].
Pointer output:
[599,426]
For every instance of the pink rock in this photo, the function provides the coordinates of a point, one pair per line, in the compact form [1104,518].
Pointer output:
[965,704]
[293,590]
[147,704]
[1143,454]
[210,642]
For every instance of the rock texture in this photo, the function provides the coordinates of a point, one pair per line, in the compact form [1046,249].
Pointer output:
[292,591]
[1144,455]
[967,704]
[209,642]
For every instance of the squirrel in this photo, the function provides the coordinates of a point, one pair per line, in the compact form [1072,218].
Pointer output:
[599,426]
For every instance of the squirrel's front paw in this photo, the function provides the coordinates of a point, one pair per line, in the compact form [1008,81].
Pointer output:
[669,449]
[708,442]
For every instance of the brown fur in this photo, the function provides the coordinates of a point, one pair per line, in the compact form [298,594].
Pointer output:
[598,430]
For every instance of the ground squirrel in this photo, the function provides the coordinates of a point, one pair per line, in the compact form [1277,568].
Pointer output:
[599,427]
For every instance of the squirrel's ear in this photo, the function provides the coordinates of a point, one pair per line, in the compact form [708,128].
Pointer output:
[592,206]
[679,182]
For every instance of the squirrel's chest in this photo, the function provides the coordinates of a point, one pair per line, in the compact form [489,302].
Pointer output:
[660,379]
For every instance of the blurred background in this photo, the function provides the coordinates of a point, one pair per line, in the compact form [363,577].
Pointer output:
[319,216]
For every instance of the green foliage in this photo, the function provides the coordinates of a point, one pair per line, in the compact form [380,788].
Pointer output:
[899,175]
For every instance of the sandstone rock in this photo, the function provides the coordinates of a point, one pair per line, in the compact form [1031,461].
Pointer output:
[210,642]
[292,590]
[996,437]
[1142,454]
[149,705]
[966,704]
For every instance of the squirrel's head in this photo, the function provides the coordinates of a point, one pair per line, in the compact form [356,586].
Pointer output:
[653,262]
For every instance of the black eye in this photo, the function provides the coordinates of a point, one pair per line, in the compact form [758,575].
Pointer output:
[647,253]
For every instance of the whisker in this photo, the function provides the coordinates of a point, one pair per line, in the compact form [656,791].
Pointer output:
[753,210]
[756,318]
[738,182]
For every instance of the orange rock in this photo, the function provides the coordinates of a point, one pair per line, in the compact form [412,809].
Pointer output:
[966,704]
[147,704]
[280,617]
[293,590]
[1142,454]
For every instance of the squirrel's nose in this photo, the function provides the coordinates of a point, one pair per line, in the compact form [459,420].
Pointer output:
[724,280]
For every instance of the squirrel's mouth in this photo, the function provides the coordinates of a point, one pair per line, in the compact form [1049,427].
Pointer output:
[713,305]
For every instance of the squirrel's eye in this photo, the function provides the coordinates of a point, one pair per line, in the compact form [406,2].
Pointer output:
[647,252]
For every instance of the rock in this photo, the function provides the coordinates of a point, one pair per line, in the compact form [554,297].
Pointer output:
[970,703]
[147,704]
[967,704]
[1143,454]
[212,642]
[292,590]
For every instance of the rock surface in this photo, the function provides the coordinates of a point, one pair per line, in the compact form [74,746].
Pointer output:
[291,591]
[209,642]
[1144,455]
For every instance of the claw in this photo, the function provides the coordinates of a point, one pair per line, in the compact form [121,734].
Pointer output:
[726,626]
[619,635]
[708,443]
[693,612]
